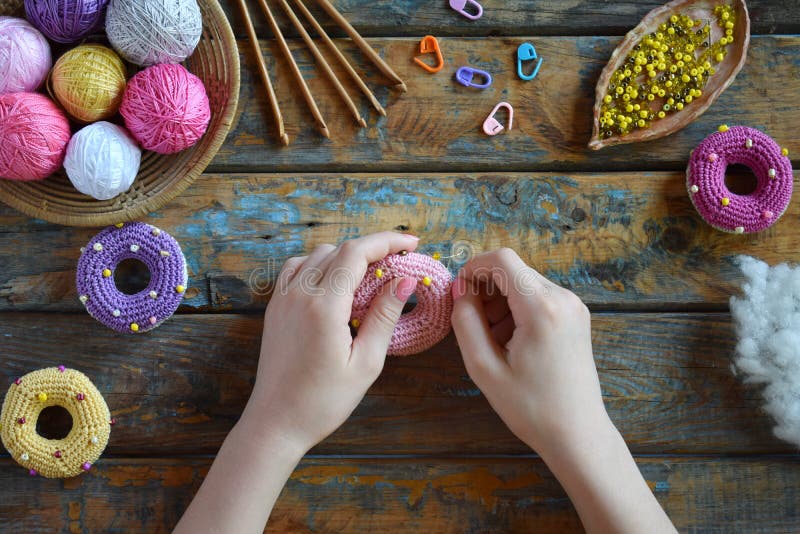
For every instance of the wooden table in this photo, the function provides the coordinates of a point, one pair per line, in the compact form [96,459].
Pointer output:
[424,452]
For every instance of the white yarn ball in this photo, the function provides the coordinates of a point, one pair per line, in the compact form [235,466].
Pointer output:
[102,160]
[147,32]
[25,56]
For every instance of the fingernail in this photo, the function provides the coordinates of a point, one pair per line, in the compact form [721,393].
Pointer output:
[459,288]
[405,289]
[415,238]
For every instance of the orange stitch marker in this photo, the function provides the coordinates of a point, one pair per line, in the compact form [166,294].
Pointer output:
[429,45]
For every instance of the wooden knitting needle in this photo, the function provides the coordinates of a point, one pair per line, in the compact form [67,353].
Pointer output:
[341,57]
[323,128]
[362,44]
[326,68]
[262,68]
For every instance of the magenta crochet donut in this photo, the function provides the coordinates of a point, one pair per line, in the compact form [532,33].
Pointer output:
[429,322]
[148,308]
[727,211]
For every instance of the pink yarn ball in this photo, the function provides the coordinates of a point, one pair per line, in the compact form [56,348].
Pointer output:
[25,56]
[166,108]
[34,134]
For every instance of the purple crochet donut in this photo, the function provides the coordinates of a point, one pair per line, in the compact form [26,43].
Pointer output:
[727,211]
[429,322]
[150,307]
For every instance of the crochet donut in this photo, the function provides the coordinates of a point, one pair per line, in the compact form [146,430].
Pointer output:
[55,458]
[727,211]
[429,322]
[147,309]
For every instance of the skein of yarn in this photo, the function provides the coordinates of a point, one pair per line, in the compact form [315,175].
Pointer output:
[89,82]
[66,21]
[102,160]
[166,108]
[33,136]
[24,56]
[148,32]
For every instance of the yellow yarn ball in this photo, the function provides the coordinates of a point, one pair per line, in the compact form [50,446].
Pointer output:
[89,81]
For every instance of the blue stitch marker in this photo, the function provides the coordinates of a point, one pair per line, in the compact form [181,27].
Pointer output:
[465,75]
[527,52]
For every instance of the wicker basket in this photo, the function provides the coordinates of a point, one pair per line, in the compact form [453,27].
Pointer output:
[161,178]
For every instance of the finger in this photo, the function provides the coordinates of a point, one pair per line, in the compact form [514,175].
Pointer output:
[377,327]
[503,330]
[496,309]
[310,272]
[288,272]
[483,357]
[353,257]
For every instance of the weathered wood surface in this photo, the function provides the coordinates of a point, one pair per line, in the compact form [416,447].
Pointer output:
[666,381]
[436,125]
[618,240]
[405,495]
[415,18]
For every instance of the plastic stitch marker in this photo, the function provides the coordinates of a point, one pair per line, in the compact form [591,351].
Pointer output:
[429,45]
[526,52]
[492,126]
[464,76]
[460,6]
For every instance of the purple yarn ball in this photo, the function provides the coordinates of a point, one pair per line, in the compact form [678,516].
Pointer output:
[66,21]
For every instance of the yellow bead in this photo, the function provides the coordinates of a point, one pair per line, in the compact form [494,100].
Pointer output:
[679,106]
[643,114]
[640,123]
[725,201]
[685,78]
[427,281]
[688,99]
[378,273]
[785,151]
[723,128]
[607,99]
[723,41]
[107,273]
[720,56]
[180,289]
[651,97]
[661,114]
[673,18]
[42,397]
[729,25]
[628,108]
[134,327]
[436,256]
[355,323]
[119,225]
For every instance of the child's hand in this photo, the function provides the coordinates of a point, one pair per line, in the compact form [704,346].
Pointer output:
[527,344]
[312,373]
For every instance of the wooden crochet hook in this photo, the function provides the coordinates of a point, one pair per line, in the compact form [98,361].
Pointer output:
[340,56]
[312,104]
[371,54]
[262,68]
[326,68]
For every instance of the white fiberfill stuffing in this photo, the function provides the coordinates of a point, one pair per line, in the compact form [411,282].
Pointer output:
[767,320]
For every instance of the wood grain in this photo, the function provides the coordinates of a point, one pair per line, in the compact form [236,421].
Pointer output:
[412,18]
[623,240]
[436,126]
[404,495]
[666,381]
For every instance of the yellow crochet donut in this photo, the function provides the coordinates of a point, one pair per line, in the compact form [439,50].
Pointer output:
[70,390]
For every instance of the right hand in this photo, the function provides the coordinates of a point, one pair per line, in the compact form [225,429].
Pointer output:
[526,343]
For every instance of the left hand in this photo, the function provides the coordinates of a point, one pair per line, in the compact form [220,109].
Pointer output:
[312,374]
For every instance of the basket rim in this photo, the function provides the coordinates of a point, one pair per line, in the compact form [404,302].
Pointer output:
[227,114]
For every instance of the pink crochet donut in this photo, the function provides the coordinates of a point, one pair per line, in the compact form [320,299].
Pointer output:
[429,322]
[727,211]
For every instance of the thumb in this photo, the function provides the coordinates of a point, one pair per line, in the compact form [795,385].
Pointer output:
[375,332]
[482,355]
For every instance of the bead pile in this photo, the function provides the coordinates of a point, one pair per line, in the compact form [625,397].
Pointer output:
[429,322]
[665,72]
[71,390]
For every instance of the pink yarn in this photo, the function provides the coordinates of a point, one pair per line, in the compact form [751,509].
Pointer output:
[429,322]
[166,108]
[24,56]
[725,210]
[34,134]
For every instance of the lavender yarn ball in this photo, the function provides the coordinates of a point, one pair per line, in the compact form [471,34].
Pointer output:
[148,32]
[102,160]
[66,21]
[150,307]
[25,56]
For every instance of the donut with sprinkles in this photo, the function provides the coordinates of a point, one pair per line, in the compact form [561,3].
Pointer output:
[429,322]
[148,308]
[84,441]
[728,211]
